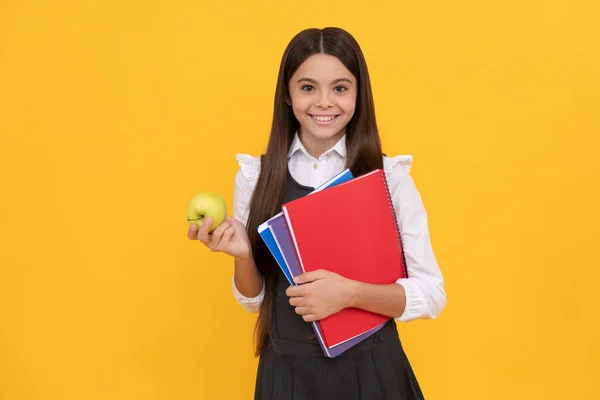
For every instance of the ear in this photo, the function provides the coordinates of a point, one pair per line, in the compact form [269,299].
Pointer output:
[288,100]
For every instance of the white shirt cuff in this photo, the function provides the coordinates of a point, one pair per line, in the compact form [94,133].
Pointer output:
[251,304]
[415,303]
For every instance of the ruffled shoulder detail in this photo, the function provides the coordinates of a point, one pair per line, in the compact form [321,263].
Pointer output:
[250,167]
[405,161]
[396,168]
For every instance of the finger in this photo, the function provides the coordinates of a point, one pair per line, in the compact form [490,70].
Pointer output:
[297,301]
[216,236]
[226,238]
[310,276]
[222,228]
[302,310]
[203,234]
[294,291]
[310,317]
[192,232]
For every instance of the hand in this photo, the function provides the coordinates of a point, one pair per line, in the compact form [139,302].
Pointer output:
[319,294]
[229,238]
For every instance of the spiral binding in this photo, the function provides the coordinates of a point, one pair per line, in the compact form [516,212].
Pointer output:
[391,203]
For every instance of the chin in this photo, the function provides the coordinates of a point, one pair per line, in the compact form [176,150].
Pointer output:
[328,134]
[324,133]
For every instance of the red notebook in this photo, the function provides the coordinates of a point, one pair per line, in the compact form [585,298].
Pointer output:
[350,229]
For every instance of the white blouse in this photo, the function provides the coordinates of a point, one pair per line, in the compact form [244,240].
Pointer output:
[424,286]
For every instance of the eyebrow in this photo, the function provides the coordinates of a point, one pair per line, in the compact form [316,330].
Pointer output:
[333,82]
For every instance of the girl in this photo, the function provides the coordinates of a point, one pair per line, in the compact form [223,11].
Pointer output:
[324,121]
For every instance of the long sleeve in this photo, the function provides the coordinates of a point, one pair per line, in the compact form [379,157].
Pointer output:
[424,286]
[244,182]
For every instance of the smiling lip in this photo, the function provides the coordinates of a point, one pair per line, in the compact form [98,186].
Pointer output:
[323,119]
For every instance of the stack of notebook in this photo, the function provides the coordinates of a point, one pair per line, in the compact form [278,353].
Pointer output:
[347,226]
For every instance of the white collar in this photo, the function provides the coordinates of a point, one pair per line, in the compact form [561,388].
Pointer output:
[339,147]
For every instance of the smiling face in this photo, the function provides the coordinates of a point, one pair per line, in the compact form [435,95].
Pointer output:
[323,97]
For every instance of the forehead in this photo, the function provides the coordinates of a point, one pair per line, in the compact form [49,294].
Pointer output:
[323,68]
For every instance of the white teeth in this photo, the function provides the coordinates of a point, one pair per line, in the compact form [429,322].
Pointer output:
[323,119]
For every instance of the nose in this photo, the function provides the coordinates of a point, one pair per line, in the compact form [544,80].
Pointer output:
[324,101]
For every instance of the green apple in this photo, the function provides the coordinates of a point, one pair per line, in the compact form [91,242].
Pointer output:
[207,204]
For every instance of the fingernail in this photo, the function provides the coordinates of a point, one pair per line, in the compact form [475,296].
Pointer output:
[296,279]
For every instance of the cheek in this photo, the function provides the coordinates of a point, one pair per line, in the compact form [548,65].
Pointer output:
[348,105]
[300,105]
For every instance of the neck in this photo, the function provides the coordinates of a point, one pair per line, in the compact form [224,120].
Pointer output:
[316,147]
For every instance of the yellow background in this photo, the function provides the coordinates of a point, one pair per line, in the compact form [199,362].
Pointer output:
[113,114]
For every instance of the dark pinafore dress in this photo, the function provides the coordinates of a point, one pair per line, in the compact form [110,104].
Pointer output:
[293,367]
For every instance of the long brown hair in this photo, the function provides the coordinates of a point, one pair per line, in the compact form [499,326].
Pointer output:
[362,141]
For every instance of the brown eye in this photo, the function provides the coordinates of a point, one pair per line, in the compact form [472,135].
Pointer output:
[341,89]
[307,88]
